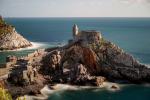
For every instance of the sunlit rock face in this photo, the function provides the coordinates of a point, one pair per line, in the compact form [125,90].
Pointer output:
[10,39]
[13,40]
[78,54]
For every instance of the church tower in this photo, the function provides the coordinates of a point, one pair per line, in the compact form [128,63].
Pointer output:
[75,31]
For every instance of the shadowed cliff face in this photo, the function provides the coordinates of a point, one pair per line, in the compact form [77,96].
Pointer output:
[84,55]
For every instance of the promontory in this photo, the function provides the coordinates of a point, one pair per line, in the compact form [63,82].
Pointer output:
[87,59]
[10,39]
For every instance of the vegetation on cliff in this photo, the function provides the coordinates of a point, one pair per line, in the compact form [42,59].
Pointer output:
[4,27]
[4,95]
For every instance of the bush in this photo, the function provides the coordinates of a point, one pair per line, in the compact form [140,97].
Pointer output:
[19,98]
[4,95]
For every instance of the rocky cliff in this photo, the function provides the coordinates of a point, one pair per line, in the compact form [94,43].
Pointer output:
[95,56]
[88,59]
[10,39]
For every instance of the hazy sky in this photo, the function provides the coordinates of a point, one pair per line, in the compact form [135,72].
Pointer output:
[75,8]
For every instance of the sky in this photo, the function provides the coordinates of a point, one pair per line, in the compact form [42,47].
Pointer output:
[75,8]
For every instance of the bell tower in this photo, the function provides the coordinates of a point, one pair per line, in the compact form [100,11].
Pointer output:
[75,31]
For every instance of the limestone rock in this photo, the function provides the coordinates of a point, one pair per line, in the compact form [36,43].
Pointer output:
[100,80]
[104,59]
[79,74]
[10,39]
[77,53]
[51,62]
[117,64]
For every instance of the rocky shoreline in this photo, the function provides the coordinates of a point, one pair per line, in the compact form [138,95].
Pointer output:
[87,60]
[10,39]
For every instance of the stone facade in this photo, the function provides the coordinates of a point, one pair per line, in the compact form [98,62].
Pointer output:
[88,37]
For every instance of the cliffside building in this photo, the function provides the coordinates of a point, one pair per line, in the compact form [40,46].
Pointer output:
[88,36]
[75,31]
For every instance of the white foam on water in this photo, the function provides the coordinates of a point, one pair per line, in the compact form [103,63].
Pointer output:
[148,65]
[64,87]
[35,45]
[109,86]
[46,91]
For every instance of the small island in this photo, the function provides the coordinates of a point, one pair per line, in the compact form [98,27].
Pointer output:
[10,39]
[87,60]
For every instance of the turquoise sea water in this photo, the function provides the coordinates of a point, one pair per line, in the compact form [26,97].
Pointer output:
[131,34]
[132,92]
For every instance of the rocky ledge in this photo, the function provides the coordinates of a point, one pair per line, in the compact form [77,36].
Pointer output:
[88,59]
[10,39]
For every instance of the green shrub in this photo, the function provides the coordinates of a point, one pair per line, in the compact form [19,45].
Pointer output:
[21,98]
[4,95]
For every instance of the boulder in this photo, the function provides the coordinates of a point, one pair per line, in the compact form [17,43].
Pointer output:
[100,80]
[115,87]
[51,62]
[79,74]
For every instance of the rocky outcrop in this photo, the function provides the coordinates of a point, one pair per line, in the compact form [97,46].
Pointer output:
[78,54]
[117,64]
[87,60]
[100,80]
[90,55]
[79,74]
[52,60]
[10,39]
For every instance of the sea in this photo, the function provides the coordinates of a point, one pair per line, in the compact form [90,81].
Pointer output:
[130,34]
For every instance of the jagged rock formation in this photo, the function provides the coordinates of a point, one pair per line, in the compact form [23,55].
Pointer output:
[10,39]
[116,64]
[88,60]
[99,57]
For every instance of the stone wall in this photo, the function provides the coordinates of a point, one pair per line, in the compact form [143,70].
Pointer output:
[90,36]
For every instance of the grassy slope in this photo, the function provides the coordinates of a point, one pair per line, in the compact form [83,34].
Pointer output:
[4,27]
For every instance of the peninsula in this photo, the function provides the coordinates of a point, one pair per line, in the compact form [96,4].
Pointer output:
[10,39]
[87,60]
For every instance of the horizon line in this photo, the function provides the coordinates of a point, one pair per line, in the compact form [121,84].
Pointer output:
[76,17]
